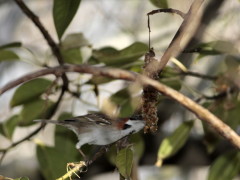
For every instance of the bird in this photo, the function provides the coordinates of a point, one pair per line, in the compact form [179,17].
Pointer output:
[99,129]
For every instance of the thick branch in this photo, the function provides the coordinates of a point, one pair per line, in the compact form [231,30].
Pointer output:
[223,129]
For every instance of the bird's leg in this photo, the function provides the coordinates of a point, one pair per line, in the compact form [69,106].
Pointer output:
[83,155]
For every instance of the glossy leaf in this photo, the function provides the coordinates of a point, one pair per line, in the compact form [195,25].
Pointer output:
[30,90]
[72,56]
[36,109]
[225,167]
[74,40]
[160,3]
[171,144]
[9,125]
[11,45]
[63,13]
[124,162]
[7,55]
[113,57]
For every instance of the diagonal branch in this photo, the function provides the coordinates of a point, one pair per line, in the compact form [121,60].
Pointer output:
[202,113]
[54,47]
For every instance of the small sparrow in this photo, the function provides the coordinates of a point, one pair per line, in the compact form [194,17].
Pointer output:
[99,129]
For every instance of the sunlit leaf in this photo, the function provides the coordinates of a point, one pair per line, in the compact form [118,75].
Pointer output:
[72,56]
[226,167]
[160,3]
[74,40]
[171,144]
[7,55]
[36,109]
[113,57]
[11,45]
[29,91]
[124,162]
[63,13]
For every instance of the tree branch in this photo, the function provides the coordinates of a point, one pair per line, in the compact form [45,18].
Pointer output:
[183,35]
[223,129]
[54,47]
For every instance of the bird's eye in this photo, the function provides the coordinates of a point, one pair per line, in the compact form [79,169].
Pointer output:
[126,126]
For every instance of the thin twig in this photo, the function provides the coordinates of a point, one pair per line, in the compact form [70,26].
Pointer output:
[183,35]
[167,10]
[198,75]
[54,47]
[223,129]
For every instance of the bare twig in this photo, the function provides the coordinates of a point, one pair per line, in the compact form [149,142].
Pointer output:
[167,10]
[198,75]
[183,35]
[54,47]
[223,129]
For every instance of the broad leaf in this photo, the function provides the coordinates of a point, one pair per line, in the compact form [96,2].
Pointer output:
[11,45]
[171,144]
[113,57]
[53,160]
[225,167]
[99,80]
[160,3]
[29,91]
[215,48]
[7,55]
[36,109]
[125,102]
[72,56]
[63,13]
[75,40]
[9,125]
[124,162]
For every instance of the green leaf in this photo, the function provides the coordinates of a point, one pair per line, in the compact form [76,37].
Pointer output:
[216,48]
[174,83]
[126,103]
[99,80]
[36,109]
[72,56]
[74,40]
[22,178]
[30,90]
[9,126]
[53,160]
[7,55]
[225,167]
[138,145]
[63,13]
[11,45]
[160,3]
[171,144]
[112,57]
[124,162]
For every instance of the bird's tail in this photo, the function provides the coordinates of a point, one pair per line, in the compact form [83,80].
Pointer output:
[49,121]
